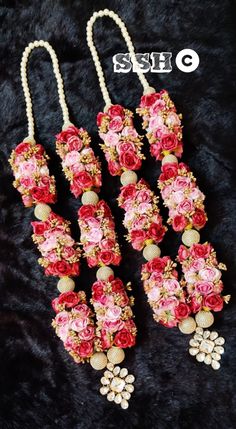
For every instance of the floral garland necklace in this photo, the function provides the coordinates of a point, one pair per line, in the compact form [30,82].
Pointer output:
[98,336]
[199,290]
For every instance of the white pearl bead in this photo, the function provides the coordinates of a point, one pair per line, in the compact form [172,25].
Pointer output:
[200,357]
[169,159]
[190,237]
[151,251]
[42,211]
[65,284]
[187,326]
[204,319]
[115,355]
[124,404]
[89,197]
[103,273]
[215,365]
[98,361]
[128,177]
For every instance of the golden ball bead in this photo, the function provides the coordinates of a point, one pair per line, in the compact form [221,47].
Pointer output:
[115,355]
[128,177]
[151,251]
[190,237]
[42,211]
[104,273]
[98,361]
[65,284]
[89,197]
[169,159]
[187,326]
[204,319]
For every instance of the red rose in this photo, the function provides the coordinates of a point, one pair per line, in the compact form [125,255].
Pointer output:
[115,111]
[156,232]
[200,250]
[130,160]
[105,339]
[66,134]
[195,303]
[69,299]
[106,257]
[100,117]
[169,170]
[74,143]
[124,339]
[97,290]
[179,222]
[149,99]
[183,253]
[128,192]
[85,349]
[138,237]
[182,311]
[114,168]
[213,302]
[199,218]
[156,264]
[62,268]
[117,285]
[116,124]
[42,195]
[169,142]
[22,147]
[87,211]
[40,149]
[39,227]
[83,179]
[107,244]
[184,166]
[102,205]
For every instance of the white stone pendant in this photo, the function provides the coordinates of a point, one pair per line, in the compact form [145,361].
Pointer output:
[207,347]
[117,385]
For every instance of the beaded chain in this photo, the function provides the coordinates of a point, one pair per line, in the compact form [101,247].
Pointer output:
[86,336]
[199,290]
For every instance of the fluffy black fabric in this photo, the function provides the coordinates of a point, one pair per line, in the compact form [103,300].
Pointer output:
[41,387]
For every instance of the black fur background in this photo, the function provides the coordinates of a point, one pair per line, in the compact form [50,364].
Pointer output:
[41,387]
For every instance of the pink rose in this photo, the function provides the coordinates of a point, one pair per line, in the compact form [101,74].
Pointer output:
[62,318]
[155,122]
[113,313]
[172,285]
[71,158]
[179,223]
[204,288]
[81,310]
[125,147]
[155,150]
[181,183]
[116,124]
[173,119]
[62,331]
[78,324]
[157,106]
[169,142]
[154,294]
[183,253]
[129,132]
[113,326]
[114,168]
[74,143]
[186,206]
[87,334]
[111,138]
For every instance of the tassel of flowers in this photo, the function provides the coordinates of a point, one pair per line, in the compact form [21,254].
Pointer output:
[32,177]
[122,144]
[79,163]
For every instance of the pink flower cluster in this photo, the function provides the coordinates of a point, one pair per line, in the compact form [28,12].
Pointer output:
[182,197]
[122,144]
[60,253]
[74,325]
[114,315]
[142,218]
[165,294]
[202,277]
[32,178]
[163,125]
[98,234]
[79,163]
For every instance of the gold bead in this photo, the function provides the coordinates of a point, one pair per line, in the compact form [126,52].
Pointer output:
[89,197]
[187,326]
[42,211]
[128,177]
[151,251]
[98,361]
[169,159]
[103,273]
[65,284]
[190,237]
[115,355]
[204,319]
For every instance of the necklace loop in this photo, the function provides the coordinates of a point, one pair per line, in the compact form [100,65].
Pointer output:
[106,12]
[26,90]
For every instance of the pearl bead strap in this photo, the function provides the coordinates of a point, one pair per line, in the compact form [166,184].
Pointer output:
[94,52]
[25,85]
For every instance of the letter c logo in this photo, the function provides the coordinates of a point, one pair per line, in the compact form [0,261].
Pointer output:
[187,60]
